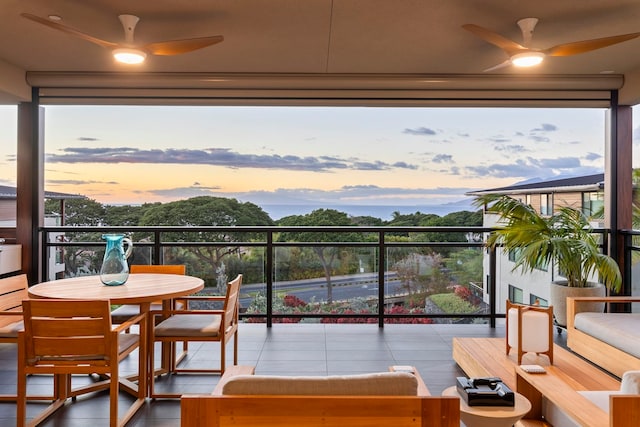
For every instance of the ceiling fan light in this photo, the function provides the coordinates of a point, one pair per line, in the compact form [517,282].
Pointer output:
[129,56]
[527,59]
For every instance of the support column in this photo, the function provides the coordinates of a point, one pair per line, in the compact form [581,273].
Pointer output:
[30,185]
[618,178]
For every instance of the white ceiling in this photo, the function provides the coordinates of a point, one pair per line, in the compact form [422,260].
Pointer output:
[319,36]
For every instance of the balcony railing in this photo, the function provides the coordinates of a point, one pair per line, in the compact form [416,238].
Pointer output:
[316,274]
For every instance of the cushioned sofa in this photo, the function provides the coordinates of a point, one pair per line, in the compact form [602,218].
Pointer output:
[609,340]
[394,398]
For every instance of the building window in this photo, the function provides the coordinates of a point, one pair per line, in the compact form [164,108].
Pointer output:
[592,203]
[540,301]
[515,294]
[514,254]
[546,204]
[527,199]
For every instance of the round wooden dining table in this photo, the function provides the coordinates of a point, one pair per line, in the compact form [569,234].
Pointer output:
[141,289]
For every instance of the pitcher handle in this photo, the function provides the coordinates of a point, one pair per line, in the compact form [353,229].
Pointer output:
[129,244]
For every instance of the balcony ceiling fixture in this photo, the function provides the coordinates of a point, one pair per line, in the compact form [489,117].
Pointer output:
[128,52]
[522,55]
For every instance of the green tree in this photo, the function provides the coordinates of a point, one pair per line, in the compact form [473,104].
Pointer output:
[125,215]
[326,253]
[78,212]
[207,211]
[453,219]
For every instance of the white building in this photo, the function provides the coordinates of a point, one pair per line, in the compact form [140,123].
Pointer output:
[8,220]
[585,192]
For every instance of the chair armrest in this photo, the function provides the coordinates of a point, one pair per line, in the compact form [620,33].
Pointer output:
[604,299]
[423,390]
[129,323]
[229,373]
[203,297]
[186,299]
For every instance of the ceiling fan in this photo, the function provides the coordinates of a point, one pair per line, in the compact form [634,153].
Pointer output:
[128,52]
[524,55]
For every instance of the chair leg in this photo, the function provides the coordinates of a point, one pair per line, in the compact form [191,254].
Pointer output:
[223,355]
[21,407]
[114,386]
[235,348]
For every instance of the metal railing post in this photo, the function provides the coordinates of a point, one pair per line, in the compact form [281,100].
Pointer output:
[269,278]
[492,287]
[157,250]
[381,277]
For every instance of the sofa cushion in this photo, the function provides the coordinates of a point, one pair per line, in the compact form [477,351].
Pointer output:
[376,384]
[600,398]
[619,330]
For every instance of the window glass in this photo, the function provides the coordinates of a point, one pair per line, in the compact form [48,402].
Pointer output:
[593,203]
[515,295]
[534,299]
[546,204]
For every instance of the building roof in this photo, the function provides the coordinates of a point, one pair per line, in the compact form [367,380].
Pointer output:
[7,192]
[580,183]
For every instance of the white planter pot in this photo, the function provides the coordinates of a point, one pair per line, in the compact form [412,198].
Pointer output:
[560,291]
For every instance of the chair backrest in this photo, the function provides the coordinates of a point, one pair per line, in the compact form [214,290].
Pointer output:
[66,331]
[160,269]
[13,290]
[231,302]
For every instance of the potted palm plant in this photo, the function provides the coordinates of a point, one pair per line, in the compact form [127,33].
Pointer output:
[565,239]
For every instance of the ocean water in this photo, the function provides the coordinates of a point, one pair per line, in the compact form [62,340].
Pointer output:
[384,212]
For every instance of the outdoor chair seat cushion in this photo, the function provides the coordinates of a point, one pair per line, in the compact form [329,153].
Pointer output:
[126,341]
[11,330]
[619,330]
[189,325]
[374,384]
[127,311]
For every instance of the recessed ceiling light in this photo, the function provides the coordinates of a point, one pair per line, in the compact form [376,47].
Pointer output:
[55,17]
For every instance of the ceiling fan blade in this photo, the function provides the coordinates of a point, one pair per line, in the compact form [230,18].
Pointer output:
[69,30]
[176,47]
[504,43]
[575,48]
[497,67]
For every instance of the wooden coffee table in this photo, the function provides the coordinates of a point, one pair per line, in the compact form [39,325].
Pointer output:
[490,416]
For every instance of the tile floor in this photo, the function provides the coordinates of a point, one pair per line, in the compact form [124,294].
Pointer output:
[290,349]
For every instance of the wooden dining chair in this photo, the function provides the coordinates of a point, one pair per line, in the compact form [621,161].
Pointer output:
[199,324]
[126,311]
[13,290]
[66,337]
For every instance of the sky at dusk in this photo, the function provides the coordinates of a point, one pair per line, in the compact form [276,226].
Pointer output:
[306,155]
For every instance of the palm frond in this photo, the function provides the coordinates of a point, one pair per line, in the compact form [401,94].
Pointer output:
[565,238]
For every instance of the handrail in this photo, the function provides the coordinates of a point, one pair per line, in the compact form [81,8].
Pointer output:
[266,237]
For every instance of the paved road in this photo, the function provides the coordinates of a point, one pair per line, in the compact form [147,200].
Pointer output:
[344,287]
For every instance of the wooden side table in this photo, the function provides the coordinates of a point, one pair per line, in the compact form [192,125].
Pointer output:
[490,416]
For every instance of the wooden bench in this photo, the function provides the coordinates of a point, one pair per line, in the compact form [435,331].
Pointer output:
[569,374]
[13,290]
[219,409]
